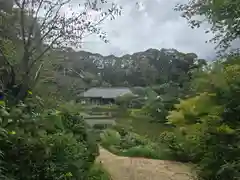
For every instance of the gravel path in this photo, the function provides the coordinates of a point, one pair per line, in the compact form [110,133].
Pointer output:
[125,168]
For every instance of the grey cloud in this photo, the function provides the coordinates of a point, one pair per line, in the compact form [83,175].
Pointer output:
[156,25]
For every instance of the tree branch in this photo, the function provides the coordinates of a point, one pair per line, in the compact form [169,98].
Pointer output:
[33,23]
[50,10]
[100,21]
[42,54]
[38,72]
[22,22]
[51,22]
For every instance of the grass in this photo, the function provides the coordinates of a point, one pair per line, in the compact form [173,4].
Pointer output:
[126,143]
[140,125]
[144,127]
[152,131]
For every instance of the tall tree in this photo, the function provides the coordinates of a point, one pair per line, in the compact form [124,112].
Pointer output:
[223,16]
[40,25]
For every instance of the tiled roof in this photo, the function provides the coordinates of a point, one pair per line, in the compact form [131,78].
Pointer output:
[106,92]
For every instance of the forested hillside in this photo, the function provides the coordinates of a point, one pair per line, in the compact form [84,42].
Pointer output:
[72,72]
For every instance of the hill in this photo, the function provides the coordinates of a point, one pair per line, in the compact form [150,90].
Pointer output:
[71,72]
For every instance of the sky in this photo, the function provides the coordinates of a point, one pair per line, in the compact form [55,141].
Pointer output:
[148,24]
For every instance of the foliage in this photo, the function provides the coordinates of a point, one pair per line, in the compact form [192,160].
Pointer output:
[181,148]
[140,151]
[140,91]
[125,100]
[177,86]
[67,72]
[97,172]
[209,125]
[223,15]
[38,27]
[156,110]
[137,102]
[110,137]
[48,139]
[49,145]
[3,134]
[123,142]
[143,125]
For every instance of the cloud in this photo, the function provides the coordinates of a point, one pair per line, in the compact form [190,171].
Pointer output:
[150,24]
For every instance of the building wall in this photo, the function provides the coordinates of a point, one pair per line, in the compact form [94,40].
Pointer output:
[97,101]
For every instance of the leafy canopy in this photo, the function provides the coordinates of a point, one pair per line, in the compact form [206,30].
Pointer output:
[223,16]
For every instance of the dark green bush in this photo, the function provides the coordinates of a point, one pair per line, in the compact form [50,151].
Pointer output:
[138,102]
[110,137]
[141,151]
[45,146]
[123,131]
[97,172]
[123,142]
[3,134]
[181,148]
[209,122]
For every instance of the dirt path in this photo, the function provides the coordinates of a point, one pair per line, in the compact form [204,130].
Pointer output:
[125,168]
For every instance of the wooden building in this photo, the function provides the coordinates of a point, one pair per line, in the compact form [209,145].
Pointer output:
[104,95]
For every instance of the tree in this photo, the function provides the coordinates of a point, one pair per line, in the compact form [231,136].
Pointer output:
[209,122]
[37,26]
[125,100]
[223,16]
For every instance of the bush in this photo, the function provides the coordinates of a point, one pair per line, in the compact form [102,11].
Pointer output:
[110,137]
[123,131]
[3,134]
[125,100]
[131,140]
[209,123]
[138,114]
[48,145]
[138,102]
[97,172]
[122,142]
[181,148]
[141,151]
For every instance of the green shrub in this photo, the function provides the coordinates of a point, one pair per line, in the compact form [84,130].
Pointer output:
[138,114]
[97,172]
[132,140]
[209,123]
[122,142]
[124,101]
[140,151]
[3,134]
[48,145]
[181,148]
[110,137]
[113,149]
[122,130]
